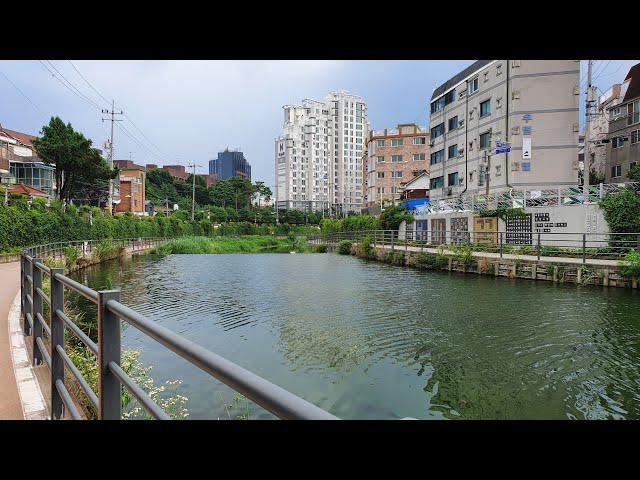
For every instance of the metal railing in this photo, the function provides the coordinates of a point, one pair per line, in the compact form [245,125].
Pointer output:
[111,376]
[603,246]
[544,196]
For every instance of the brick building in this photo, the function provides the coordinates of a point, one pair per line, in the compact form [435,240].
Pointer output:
[392,157]
[130,185]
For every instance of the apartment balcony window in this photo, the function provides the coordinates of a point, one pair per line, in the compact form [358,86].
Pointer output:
[616,171]
[397,174]
[437,105]
[437,182]
[396,158]
[437,157]
[485,108]
[453,123]
[380,189]
[379,143]
[633,111]
[450,97]
[420,141]
[473,85]
[453,179]
[437,131]
[419,156]
[617,142]
[380,174]
[396,142]
[485,140]
[453,151]
[635,136]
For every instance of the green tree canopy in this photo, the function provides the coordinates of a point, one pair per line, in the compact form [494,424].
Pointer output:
[78,164]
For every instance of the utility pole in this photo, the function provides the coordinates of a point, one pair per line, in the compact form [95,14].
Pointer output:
[193,195]
[587,125]
[113,119]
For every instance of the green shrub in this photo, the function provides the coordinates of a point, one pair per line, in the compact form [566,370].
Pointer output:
[70,256]
[344,247]
[320,248]
[365,246]
[630,266]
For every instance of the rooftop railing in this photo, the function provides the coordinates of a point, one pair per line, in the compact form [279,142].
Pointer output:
[111,377]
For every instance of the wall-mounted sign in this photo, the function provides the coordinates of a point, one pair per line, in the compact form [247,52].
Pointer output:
[518,229]
[526,148]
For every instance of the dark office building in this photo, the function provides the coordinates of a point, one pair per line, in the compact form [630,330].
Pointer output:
[230,164]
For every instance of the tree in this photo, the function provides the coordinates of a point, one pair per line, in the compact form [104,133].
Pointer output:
[75,159]
[634,173]
[392,217]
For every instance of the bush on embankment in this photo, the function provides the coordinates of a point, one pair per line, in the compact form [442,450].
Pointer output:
[22,226]
[344,247]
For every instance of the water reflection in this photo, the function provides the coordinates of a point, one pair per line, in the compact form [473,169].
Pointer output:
[365,340]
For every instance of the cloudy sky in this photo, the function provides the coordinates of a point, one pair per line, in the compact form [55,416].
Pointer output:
[185,111]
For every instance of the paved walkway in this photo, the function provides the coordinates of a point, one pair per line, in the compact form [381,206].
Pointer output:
[509,256]
[10,405]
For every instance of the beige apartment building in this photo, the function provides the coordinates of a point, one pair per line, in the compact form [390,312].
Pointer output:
[392,158]
[530,104]
[623,149]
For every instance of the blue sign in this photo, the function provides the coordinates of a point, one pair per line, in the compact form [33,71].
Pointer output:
[526,166]
[526,117]
[502,150]
[526,130]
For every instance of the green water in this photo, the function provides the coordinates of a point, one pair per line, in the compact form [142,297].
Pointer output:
[370,341]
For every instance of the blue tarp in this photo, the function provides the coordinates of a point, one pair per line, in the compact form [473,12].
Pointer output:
[415,202]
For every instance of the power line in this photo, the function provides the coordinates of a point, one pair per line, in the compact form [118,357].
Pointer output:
[22,93]
[87,82]
[72,88]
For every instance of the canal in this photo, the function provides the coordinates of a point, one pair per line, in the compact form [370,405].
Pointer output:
[365,340]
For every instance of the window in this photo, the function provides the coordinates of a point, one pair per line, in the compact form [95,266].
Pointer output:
[633,111]
[396,142]
[380,159]
[485,140]
[437,105]
[380,189]
[453,123]
[380,174]
[418,157]
[473,85]
[452,179]
[396,158]
[420,141]
[632,164]
[437,182]
[635,136]
[437,131]
[453,151]
[485,108]
[379,143]
[437,157]
[616,171]
[617,142]
[396,174]
[449,97]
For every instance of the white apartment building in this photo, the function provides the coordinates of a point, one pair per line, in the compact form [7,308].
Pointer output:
[318,156]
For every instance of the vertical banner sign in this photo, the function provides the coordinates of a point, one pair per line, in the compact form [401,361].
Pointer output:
[526,148]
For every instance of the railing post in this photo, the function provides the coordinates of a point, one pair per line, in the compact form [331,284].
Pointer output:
[392,235]
[109,389]
[57,338]
[500,244]
[538,246]
[584,248]
[37,309]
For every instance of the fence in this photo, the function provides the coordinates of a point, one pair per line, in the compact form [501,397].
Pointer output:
[610,246]
[111,377]
[542,197]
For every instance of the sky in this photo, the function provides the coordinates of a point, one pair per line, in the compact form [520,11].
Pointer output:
[187,111]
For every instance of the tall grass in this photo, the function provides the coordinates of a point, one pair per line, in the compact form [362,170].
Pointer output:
[245,244]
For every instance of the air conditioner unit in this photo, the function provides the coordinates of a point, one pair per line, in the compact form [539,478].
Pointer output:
[449,191]
[460,123]
[431,143]
[515,130]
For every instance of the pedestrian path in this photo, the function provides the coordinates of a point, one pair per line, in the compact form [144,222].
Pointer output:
[510,256]
[10,404]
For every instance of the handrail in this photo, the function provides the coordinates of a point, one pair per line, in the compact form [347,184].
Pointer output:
[112,377]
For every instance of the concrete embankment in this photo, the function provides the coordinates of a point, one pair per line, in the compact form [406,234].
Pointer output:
[603,272]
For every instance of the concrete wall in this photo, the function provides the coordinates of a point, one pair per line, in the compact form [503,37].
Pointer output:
[558,226]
